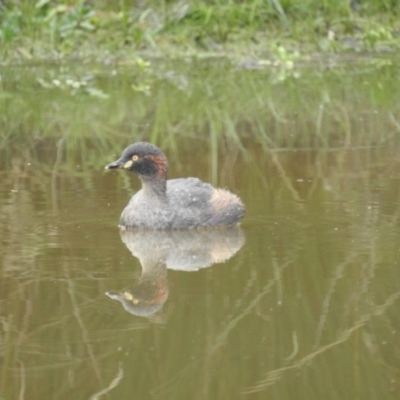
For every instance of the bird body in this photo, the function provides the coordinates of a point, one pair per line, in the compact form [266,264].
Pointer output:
[183,203]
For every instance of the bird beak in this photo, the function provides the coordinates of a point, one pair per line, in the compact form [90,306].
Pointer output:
[115,164]
[114,295]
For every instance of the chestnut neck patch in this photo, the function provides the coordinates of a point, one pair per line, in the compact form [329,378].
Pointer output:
[161,165]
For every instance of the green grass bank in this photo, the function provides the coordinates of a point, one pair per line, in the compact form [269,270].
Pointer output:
[284,30]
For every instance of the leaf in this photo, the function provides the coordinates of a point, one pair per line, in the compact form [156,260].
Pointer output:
[42,3]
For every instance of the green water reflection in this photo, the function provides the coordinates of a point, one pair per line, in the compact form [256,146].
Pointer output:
[301,302]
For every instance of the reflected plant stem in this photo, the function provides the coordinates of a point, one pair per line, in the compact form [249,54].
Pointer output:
[207,362]
[395,122]
[12,349]
[320,116]
[395,218]
[277,276]
[275,375]
[77,314]
[114,383]
[295,348]
[368,342]
[283,175]
[23,381]
[54,174]
[318,177]
[325,304]
[347,125]
[221,338]
[6,350]
[21,339]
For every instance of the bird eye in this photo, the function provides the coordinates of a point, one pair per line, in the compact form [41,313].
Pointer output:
[135,158]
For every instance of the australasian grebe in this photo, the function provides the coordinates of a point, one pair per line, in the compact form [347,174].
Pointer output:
[183,203]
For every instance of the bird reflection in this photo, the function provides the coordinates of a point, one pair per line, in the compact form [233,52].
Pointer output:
[158,251]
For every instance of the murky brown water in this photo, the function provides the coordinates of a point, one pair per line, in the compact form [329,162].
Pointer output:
[300,302]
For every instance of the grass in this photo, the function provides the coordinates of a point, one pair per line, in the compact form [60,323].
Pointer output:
[119,29]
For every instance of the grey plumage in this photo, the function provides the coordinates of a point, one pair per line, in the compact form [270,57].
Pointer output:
[183,203]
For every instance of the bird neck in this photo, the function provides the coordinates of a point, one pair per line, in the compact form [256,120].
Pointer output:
[154,187]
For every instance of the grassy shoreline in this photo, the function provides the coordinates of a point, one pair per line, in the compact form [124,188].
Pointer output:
[106,31]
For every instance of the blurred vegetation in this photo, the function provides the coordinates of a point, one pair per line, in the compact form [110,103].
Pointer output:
[103,29]
[218,102]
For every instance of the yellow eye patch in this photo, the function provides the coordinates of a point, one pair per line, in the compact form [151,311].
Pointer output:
[128,164]
[128,296]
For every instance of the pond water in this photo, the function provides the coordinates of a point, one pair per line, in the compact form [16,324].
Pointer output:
[301,301]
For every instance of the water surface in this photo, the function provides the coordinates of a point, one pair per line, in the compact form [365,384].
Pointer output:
[301,301]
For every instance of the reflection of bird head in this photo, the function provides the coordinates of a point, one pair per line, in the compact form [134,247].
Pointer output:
[143,299]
